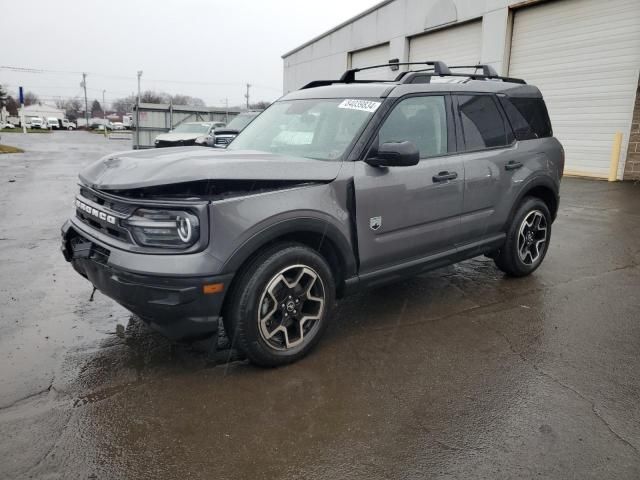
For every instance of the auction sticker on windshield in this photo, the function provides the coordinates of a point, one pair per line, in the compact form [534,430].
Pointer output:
[364,105]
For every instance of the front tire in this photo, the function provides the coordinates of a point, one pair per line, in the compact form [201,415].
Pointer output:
[527,239]
[281,305]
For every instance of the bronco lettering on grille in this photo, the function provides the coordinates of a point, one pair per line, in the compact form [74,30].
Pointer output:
[94,212]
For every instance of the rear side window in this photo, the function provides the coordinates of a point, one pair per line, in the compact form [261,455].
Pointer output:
[482,124]
[528,117]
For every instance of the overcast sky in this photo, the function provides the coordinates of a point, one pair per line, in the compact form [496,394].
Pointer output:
[203,48]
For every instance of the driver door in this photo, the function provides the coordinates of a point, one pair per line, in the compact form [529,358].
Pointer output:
[406,214]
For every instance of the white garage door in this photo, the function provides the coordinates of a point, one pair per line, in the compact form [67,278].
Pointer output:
[372,56]
[459,45]
[584,55]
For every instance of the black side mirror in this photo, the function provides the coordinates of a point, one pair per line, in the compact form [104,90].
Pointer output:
[394,154]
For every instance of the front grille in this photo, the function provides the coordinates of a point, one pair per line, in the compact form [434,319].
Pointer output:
[179,143]
[108,203]
[108,206]
[223,141]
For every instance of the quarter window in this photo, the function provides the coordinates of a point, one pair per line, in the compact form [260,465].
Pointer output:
[482,123]
[528,117]
[421,120]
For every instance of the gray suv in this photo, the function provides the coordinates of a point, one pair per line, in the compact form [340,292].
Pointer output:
[341,185]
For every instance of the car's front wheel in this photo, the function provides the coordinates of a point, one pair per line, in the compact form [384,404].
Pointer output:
[280,305]
[527,239]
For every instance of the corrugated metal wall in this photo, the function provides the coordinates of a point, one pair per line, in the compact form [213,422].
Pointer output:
[157,118]
[584,55]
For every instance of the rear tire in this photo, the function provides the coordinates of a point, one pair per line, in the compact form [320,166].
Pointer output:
[281,305]
[527,239]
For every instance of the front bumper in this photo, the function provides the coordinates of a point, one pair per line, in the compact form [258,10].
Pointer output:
[176,306]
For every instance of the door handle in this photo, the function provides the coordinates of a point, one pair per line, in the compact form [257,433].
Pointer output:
[444,176]
[513,165]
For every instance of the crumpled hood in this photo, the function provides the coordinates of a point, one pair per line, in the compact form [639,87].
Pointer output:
[147,168]
[177,137]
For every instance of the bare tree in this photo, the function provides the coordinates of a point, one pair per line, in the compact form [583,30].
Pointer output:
[261,105]
[12,105]
[125,104]
[31,98]
[150,96]
[72,107]
[180,99]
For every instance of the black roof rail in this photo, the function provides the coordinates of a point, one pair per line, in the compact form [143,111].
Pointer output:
[318,83]
[439,68]
[487,70]
[410,76]
[488,73]
[324,83]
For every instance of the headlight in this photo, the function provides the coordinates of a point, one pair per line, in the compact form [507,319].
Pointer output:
[164,228]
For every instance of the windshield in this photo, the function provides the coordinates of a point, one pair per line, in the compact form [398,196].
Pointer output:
[192,128]
[240,121]
[316,128]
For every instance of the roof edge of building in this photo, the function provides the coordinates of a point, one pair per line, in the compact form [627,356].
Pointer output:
[375,7]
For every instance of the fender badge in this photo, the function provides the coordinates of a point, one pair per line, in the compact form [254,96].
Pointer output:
[375,223]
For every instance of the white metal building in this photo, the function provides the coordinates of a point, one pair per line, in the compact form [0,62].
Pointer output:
[584,55]
[41,111]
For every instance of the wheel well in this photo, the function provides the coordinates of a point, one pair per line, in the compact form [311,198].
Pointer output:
[314,240]
[547,196]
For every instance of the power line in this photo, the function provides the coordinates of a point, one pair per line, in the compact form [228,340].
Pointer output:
[185,82]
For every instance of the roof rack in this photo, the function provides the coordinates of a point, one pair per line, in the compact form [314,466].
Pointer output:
[437,69]
[488,73]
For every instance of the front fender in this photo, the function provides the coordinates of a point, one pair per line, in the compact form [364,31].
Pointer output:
[324,229]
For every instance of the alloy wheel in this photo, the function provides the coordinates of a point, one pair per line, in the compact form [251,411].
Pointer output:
[532,237]
[291,307]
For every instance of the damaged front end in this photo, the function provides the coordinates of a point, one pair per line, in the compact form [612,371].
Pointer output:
[143,234]
[210,190]
[146,248]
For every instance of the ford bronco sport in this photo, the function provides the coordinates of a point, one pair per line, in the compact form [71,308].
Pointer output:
[341,185]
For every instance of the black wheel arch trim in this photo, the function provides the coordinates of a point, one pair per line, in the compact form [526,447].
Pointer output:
[299,225]
[525,190]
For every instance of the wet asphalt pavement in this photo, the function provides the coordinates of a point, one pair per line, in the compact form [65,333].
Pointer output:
[458,373]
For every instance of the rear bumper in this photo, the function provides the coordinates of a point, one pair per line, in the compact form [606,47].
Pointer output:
[175,306]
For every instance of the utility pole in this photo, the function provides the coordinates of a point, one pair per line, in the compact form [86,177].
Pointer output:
[138,112]
[226,110]
[246,95]
[86,103]
[104,114]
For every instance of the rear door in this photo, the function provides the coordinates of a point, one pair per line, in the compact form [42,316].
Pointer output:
[406,213]
[491,160]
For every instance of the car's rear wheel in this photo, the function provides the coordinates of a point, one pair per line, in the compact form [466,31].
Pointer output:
[280,305]
[527,239]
